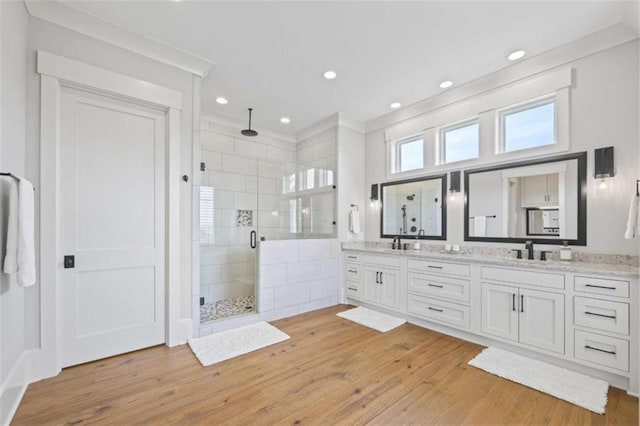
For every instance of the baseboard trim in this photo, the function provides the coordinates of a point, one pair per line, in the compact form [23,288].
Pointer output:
[185,331]
[12,390]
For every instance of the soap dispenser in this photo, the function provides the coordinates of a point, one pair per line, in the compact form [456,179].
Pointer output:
[565,251]
[416,244]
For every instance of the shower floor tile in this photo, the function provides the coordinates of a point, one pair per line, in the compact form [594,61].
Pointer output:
[227,308]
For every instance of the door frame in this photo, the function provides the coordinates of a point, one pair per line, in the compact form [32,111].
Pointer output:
[56,72]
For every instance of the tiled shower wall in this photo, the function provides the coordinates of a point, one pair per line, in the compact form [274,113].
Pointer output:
[241,175]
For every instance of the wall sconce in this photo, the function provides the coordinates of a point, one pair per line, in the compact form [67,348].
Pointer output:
[604,165]
[454,186]
[374,195]
[374,192]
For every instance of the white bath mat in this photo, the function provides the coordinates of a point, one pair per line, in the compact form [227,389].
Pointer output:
[372,319]
[232,343]
[576,388]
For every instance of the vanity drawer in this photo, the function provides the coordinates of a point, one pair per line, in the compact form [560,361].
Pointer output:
[352,272]
[454,289]
[601,286]
[392,262]
[351,289]
[351,257]
[538,279]
[439,267]
[601,314]
[602,350]
[436,310]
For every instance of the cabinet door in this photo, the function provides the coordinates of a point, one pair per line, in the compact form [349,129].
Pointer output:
[371,285]
[535,190]
[390,289]
[552,188]
[542,319]
[500,311]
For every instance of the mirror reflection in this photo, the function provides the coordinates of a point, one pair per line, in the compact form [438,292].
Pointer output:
[414,208]
[540,200]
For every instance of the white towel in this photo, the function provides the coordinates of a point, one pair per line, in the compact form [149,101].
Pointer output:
[21,253]
[633,227]
[354,221]
[11,255]
[479,226]
[26,241]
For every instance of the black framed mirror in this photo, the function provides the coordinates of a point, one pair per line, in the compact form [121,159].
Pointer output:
[414,208]
[542,200]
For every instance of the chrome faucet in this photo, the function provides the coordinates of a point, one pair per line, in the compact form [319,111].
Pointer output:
[528,245]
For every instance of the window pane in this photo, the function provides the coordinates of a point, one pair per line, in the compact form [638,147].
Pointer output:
[529,128]
[411,156]
[461,143]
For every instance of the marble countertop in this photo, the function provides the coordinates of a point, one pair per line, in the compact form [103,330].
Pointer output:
[607,269]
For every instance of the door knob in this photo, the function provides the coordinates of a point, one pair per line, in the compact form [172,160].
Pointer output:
[69,262]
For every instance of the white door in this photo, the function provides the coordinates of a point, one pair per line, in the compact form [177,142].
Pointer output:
[112,192]
[389,294]
[500,311]
[371,287]
[542,319]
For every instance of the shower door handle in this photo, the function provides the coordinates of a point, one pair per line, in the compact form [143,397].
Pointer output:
[252,239]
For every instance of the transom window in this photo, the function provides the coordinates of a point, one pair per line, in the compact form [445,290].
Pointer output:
[410,154]
[527,126]
[460,142]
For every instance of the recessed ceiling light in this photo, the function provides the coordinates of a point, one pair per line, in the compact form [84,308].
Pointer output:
[330,75]
[222,101]
[514,56]
[446,83]
[285,120]
[395,105]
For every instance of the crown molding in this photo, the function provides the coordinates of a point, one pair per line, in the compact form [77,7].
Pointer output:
[602,40]
[237,125]
[83,23]
[337,119]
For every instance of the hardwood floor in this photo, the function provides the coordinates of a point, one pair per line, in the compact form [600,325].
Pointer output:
[331,371]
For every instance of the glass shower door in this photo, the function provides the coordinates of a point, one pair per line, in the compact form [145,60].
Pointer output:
[228,231]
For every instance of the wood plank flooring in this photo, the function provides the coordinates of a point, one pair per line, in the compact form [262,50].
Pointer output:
[331,371]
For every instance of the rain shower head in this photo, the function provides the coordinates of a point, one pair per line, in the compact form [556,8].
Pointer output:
[411,197]
[249,132]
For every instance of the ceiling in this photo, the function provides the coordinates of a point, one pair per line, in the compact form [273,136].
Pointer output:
[271,55]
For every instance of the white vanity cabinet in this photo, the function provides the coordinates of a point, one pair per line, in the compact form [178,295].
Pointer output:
[603,322]
[381,286]
[588,320]
[439,291]
[531,317]
[372,279]
[352,274]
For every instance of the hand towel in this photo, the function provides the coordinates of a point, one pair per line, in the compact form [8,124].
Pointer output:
[26,242]
[11,255]
[479,226]
[354,221]
[632,221]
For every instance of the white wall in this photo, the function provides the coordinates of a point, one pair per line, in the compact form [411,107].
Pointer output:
[604,112]
[13,71]
[297,276]
[60,41]
[350,172]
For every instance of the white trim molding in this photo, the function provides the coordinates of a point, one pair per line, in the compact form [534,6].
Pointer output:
[92,26]
[13,388]
[57,72]
[338,119]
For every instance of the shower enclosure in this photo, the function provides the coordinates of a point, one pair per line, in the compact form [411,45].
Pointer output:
[244,199]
